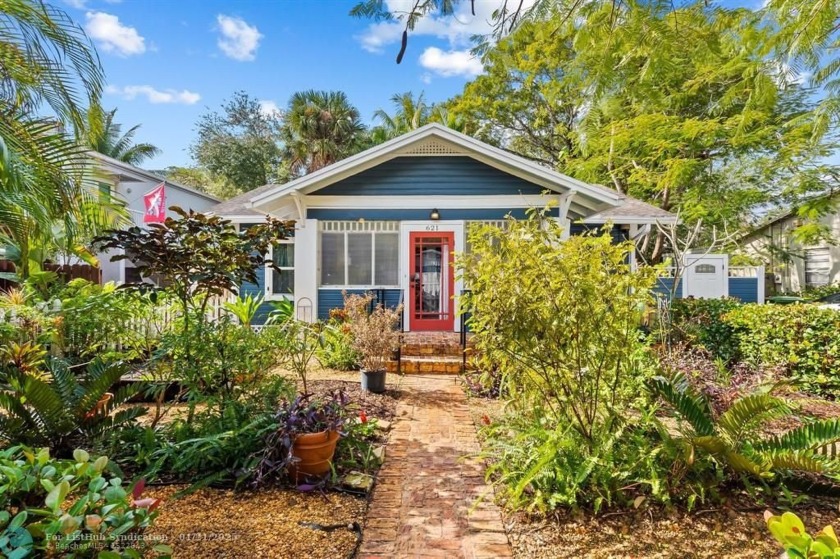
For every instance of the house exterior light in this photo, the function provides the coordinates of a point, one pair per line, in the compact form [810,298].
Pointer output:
[435,215]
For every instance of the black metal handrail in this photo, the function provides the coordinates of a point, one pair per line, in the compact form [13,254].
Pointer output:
[463,314]
[402,331]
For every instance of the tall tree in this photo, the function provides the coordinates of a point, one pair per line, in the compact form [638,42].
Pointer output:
[241,145]
[320,128]
[105,136]
[410,113]
[680,128]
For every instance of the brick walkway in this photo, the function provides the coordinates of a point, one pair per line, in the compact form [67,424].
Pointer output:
[429,501]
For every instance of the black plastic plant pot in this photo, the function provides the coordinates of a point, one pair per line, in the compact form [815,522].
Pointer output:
[373,381]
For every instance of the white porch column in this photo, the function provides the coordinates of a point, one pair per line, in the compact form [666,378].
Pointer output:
[633,233]
[306,270]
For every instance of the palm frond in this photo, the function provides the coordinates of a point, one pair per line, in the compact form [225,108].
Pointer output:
[822,437]
[692,408]
[746,414]
[804,462]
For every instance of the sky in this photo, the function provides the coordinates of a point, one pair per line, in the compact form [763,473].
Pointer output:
[169,61]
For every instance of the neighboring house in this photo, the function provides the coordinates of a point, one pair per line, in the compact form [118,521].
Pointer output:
[387,220]
[129,183]
[791,266]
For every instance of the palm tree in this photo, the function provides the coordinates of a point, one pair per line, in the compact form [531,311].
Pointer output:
[320,128]
[105,136]
[47,61]
[412,113]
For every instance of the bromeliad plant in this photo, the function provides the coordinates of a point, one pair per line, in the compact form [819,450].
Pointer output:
[737,439]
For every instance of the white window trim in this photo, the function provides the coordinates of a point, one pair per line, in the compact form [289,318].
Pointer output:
[270,295]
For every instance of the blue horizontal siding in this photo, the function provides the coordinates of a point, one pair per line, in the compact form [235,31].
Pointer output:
[745,289]
[663,287]
[257,290]
[415,214]
[618,235]
[430,176]
[329,299]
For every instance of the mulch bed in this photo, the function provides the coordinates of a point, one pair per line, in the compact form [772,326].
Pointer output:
[380,406]
[223,524]
[720,534]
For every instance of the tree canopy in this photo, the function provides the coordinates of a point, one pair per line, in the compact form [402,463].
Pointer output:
[239,146]
[689,116]
[320,128]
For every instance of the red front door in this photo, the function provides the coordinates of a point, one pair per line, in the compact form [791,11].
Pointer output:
[431,281]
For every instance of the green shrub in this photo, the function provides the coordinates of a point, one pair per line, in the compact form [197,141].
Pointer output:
[559,320]
[108,322]
[814,293]
[216,446]
[71,507]
[542,466]
[703,322]
[218,362]
[337,351]
[790,532]
[802,338]
[22,320]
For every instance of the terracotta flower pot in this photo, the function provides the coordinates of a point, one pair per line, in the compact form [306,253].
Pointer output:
[315,453]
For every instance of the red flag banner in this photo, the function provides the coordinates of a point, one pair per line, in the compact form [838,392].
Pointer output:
[154,204]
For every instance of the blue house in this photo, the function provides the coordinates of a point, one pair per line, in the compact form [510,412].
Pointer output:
[388,220]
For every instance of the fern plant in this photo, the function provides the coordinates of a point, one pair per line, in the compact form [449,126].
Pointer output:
[737,438]
[61,407]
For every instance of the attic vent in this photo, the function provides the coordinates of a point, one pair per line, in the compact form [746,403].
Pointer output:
[432,147]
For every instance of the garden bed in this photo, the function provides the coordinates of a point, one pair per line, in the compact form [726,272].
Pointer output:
[273,522]
[717,531]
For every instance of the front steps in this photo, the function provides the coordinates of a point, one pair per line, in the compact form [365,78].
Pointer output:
[430,353]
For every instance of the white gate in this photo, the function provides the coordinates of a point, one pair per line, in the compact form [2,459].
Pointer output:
[706,276]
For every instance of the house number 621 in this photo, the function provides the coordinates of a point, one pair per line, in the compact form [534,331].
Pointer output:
[432,227]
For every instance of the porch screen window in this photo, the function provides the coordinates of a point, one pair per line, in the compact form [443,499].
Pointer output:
[332,258]
[360,254]
[280,280]
[386,259]
[359,259]
[817,267]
